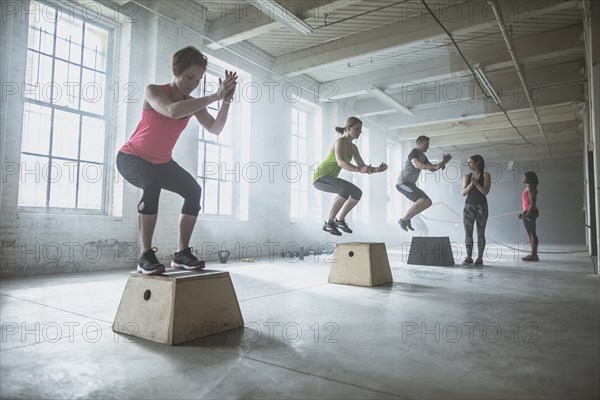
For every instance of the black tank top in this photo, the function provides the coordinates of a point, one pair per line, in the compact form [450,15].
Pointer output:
[475,197]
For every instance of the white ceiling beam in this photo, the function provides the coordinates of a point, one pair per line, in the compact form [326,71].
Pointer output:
[477,109]
[397,35]
[243,21]
[532,48]
[546,83]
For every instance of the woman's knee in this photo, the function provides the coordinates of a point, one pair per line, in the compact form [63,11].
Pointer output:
[191,205]
[356,194]
[426,202]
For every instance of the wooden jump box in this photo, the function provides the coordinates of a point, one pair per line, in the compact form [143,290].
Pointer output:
[360,264]
[178,306]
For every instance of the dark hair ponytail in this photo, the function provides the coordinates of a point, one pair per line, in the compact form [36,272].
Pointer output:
[530,178]
[350,121]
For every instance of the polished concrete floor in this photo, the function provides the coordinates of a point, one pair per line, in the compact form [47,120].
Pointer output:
[508,330]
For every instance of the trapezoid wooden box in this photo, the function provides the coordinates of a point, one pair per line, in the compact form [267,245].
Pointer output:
[178,306]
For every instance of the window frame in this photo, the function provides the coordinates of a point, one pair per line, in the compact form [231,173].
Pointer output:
[107,117]
[313,141]
[232,120]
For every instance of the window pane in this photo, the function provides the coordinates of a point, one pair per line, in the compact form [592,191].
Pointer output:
[92,93]
[41,28]
[68,39]
[63,179]
[96,44]
[294,206]
[212,153]
[32,182]
[226,198]
[66,84]
[211,193]
[228,168]
[38,77]
[36,129]
[90,186]
[294,147]
[65,138]
[302,150]
[92,139]
[226,134]
[303,205]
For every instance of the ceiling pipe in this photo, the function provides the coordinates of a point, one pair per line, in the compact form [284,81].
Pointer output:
[518,67]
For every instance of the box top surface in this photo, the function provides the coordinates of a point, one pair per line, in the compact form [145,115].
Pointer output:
[183,275]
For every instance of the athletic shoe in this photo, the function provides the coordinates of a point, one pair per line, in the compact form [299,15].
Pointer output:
[531,257]
[403,224]
[331,228]
[409,226]
[478,262]
[342,225]
[149,264]
[468,261]
[185,259]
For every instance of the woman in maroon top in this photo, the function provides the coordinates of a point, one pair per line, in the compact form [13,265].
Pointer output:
[476,186]
[145,160]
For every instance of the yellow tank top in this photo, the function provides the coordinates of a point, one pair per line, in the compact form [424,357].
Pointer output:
[329,166]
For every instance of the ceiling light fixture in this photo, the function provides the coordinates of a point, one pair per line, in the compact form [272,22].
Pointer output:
[487,85]
[282,15]
[389,100]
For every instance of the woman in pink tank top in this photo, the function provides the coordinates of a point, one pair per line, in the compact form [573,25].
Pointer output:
[145,160]
[530,213]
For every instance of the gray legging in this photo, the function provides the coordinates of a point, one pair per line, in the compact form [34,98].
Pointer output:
[332,184]
[471,214]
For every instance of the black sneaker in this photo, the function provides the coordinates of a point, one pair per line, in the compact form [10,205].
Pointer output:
[331,228]
[149,264]
[342,225]
[409,226]
[403,224]
[185,259]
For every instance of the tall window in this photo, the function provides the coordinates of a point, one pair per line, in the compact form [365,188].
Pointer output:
[395,198]
[64,113]
[217,171]
[361,212]
[305,203]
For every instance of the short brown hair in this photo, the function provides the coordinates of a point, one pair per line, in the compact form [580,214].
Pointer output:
[422,138]
[187,57]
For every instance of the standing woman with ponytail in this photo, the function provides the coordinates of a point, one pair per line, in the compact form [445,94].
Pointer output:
[530,213]
[476,186]
[325,178]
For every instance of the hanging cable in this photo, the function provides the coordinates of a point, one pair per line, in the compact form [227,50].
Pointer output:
[473,72]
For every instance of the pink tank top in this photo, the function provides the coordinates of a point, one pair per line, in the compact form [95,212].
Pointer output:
[526,200]
[155,136]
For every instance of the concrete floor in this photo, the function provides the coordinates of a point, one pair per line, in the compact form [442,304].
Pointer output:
[508,330]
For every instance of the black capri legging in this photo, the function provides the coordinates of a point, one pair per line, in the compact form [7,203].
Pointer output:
[151,178]
[472,214]
[530,227]
[332,184]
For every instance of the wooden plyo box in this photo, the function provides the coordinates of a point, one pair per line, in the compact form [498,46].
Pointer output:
[178,306]
[360,264]
[430,250]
